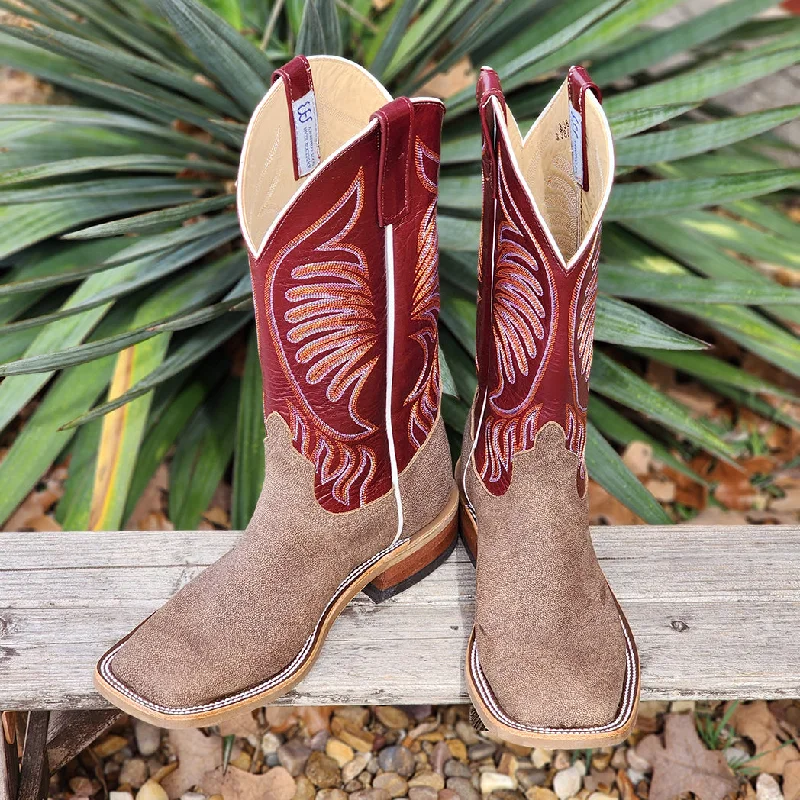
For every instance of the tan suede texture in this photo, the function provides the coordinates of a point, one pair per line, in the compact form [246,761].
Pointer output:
[547,626]
[427,482]
[247,616]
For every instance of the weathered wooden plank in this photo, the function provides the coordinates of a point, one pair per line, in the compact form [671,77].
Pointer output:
[34,774]
[715,612]
[70,732]
[9,756]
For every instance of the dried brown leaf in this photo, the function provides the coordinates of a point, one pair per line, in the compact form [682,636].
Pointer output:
[280,718]
[758,723]
[152,502]
[683,764]
[791,781]
[445,84]
[241,724]
[236,784]
[638,457]
[605,509]
[197,754]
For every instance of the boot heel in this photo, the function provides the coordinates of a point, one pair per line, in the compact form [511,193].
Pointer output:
[415,566]
[469,531]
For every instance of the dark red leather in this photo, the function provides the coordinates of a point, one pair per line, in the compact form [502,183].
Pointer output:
[579,83]
[416,390]
[535,327]
[488,87]
[396,120]
[297,83]
[320,294]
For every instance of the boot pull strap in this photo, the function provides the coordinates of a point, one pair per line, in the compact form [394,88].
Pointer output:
[396,122]
[579,83]
[302,104]
[488,86]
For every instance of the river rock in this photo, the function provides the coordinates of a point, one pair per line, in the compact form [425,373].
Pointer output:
[397,759]
[293,755]
[392,783]
[322,771]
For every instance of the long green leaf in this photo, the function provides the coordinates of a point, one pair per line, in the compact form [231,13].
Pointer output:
[609,29]
[189,353]
[767,217]
[616,382]
[618,322]
[91,53]
[222,61]
[609,470]
[201,457]
[83,116]
[744,239]
[248,459]
[627,123]
[25,225]
[556,29]
[743,325]
[648,148]
[153,220]
[621,430]
[699,84]
[69,74]
[320,31]
[678,39]
[114,187]
[702,254]
[754,402]
[17,391]
[171,423]
[72,511]
[225,224]
[40,440]
[147,271]
[393,36]
[189,316]
[254,57]
[136,163]
[707,367]
[659,198]
[636,284]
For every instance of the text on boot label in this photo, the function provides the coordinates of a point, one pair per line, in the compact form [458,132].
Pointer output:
[576,139]
[306,133]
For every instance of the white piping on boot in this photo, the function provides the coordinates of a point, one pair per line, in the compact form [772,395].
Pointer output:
[390,323]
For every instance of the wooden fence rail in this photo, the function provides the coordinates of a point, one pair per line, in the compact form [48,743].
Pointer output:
[715,611]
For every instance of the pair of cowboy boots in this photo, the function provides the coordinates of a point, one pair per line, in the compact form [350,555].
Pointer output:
[337,198]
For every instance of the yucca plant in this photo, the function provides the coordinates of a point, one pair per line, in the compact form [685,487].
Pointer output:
[119,316]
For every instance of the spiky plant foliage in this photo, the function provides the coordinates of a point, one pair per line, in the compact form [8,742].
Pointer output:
[117,314]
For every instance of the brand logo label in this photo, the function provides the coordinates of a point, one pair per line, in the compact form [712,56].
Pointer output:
[306,133]
[576,139]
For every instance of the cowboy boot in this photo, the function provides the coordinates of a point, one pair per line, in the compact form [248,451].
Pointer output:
[551,661]
[337,200]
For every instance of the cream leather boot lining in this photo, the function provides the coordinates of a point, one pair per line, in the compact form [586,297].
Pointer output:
[346,96]
[545,159]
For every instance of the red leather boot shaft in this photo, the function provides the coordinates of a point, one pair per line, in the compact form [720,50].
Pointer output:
[535,312]
[323,305]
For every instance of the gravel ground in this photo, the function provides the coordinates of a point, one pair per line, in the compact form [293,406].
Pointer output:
[708,750]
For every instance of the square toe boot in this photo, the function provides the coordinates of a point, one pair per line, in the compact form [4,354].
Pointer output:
[551,661]
[337,198]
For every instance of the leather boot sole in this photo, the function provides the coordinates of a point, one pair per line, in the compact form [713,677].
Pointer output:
[500,725]
[405,562]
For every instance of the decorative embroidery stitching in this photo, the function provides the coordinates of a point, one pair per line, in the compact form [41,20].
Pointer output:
[424,397]
[526,296]
[334,331]
[524,323]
